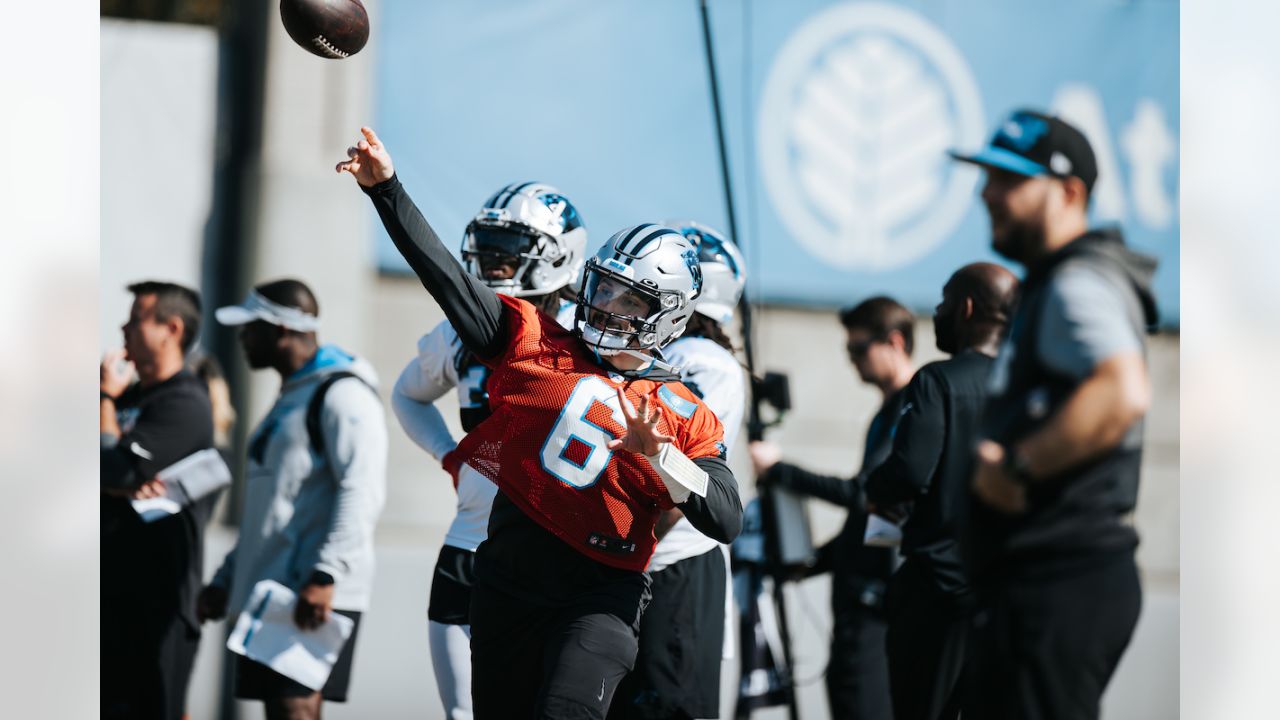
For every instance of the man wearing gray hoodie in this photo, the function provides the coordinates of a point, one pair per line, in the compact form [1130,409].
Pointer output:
[314,487]
[1051,539]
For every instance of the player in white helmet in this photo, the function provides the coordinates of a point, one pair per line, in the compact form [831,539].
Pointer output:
[527,241]
[587,447]
[686,631]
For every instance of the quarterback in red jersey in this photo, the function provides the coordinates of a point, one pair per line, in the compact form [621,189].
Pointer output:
[591,436]
[549,444]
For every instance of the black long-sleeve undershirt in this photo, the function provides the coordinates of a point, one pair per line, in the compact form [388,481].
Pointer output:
[472,307]
[719,514]
[478,315]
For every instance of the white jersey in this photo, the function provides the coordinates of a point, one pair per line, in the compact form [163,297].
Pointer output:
[427,377]
[713,373]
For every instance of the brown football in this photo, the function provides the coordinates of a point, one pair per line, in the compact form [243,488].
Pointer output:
[332,29]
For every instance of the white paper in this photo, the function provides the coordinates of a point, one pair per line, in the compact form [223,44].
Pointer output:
[192,478]
[265,632]
[881,532]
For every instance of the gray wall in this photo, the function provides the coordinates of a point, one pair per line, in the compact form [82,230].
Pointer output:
[159,85]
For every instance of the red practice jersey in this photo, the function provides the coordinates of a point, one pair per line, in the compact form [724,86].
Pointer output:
[554,410]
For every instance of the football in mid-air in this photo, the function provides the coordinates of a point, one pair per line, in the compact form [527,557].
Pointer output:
[332,29]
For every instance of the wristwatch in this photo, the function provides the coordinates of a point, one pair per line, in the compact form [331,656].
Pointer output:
[104,395]
[1015,463]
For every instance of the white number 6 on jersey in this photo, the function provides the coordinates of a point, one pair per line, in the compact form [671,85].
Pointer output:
[575,451]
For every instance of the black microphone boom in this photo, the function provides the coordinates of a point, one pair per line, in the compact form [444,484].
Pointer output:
[755,426]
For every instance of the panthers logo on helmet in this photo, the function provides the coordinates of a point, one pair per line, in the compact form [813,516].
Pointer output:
[695,268]
[565,212]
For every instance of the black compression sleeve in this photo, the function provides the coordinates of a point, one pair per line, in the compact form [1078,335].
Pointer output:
[840,491]
[473,308]
[719,514]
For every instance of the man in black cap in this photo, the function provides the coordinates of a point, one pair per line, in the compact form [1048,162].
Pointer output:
[1052,545]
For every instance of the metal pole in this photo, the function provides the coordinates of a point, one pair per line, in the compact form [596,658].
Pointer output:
[230,232]
[755,426]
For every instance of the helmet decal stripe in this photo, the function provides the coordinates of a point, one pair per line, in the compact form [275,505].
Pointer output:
[515,192]
[622,246]
[498,196]
[650,238]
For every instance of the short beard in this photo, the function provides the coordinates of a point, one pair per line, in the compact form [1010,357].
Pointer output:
[1021,241]
[945,338]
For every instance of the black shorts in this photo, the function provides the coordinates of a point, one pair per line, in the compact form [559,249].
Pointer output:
[255,681]
[677,672]
[451,585]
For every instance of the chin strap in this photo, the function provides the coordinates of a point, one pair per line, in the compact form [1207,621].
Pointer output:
[656,369]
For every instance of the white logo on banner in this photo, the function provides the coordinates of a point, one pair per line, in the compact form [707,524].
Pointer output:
[861,104]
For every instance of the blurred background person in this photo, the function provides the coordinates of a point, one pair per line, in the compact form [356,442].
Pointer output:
[207,368]
[686,631]
[315,483]
[1057,475]
[527,241]
[151,571]
[926,477]
[880,334]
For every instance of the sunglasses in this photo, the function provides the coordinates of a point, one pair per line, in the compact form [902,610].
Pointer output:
[860,349]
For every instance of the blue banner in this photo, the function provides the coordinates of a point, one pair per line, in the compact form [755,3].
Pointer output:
[838,116]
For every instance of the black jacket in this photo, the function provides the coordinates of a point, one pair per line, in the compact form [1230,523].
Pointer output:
[931,464]
[154,569]
[858,572]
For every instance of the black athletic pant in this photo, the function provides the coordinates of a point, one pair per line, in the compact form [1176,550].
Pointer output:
[146,664]
[858,672]
[928,633]
[1045,646]
[558,663]
[677,671]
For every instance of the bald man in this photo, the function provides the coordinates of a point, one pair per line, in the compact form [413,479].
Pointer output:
[926,482]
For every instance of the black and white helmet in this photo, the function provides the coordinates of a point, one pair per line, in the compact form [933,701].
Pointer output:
[638,291]
[533,227]
[724,272]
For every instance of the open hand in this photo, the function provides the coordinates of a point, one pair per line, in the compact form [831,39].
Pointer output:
[642,435]
[368,160]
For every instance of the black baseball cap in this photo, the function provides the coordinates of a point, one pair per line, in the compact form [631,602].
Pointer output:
[1032,143]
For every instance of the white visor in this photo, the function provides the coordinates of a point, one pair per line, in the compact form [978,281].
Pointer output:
[257,307]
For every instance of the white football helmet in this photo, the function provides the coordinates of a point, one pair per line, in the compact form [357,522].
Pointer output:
[638,291]
[724,272]
[533,228]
